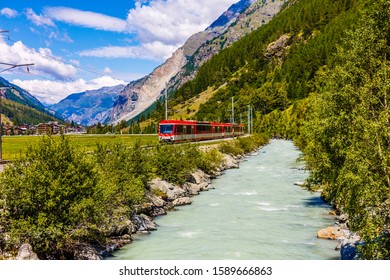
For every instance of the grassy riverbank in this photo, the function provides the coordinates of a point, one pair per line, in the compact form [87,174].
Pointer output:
[57,197]
[13,146]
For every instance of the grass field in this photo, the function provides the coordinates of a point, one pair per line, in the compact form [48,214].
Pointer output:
[13,146]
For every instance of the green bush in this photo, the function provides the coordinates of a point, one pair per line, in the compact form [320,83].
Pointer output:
[123,176]
[208,160]
[243,145]
[230,148]
[173,163]
[50,198]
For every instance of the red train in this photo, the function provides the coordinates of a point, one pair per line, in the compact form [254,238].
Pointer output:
[175,131]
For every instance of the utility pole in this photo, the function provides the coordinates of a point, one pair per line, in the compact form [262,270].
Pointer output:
[252,119]
[249,119]
[232,110]
[11,66]
[166,102]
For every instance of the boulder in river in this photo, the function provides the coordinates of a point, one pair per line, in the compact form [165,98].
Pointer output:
[332,233]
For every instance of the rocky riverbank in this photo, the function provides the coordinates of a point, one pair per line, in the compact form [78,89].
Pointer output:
[162,198]
[340,231]
[347,241]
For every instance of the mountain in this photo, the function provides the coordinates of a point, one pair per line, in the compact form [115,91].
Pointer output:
[139,95]
[231,13]
[250,19]
[21,107]
[89,107]
[275,66]
[21,96]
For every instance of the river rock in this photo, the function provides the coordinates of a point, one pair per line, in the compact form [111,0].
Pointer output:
[199,177]
[120,226]
[348,247]
[331,233]
[182,201]
[26,253]
[191,188]
[87,252]
[301,184]
[156,200]
[343,218]
[143,223]
[205,187]
[172,191]
[155,206]
[229,162]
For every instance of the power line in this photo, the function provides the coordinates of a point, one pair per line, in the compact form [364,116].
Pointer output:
[15,65]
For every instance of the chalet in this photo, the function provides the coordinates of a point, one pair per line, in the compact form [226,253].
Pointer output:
[44,128]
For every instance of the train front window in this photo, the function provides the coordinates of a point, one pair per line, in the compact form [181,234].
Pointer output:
[166,128]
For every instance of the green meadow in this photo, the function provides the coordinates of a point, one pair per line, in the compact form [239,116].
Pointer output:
[13,146]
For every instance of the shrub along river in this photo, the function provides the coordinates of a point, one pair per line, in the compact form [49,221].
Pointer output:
[254,212]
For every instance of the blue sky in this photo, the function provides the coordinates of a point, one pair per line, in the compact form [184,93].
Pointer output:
[77,45]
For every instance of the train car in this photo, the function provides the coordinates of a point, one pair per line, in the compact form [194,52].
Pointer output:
[179,131]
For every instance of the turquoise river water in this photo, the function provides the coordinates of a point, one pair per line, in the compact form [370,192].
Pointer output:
[254,213]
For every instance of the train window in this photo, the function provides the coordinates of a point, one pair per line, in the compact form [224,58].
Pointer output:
[166,128]
[179,129]
[204,128]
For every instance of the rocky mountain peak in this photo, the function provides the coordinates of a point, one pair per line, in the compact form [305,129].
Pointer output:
[140,95]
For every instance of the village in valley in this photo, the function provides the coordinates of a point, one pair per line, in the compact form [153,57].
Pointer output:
[49,128]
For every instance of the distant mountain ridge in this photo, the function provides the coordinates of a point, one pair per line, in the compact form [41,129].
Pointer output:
[256,15]
[231,13]
[89,107]
[22,107]
[22,96]
[139,95]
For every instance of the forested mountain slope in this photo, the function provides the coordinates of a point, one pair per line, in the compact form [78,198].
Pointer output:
[21,107]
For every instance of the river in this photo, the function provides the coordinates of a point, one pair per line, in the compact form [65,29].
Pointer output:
[253,213]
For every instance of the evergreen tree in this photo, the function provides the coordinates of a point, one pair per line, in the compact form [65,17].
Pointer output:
[349,133]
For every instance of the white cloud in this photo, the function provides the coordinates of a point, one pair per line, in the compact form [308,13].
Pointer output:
[160,26]
[107,70]
[45,63]
[173,21]
[86,19]
[39,20]
[152,51]
[75,62]
[50,92]
[62,37]
[9,13]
